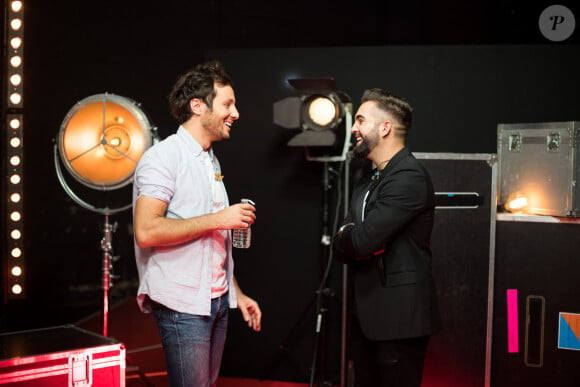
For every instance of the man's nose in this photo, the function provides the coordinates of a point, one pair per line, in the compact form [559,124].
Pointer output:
[235,114]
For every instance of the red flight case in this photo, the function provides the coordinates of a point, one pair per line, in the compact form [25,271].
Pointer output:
[61,356]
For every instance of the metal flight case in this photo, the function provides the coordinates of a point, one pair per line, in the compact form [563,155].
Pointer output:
[61,356]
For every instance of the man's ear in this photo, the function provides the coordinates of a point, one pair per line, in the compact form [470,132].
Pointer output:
[386,128]
[195,104]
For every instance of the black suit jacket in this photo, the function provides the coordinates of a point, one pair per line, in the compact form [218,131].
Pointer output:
[388,251]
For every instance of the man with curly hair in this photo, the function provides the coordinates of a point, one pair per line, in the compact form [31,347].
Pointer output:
[183,222]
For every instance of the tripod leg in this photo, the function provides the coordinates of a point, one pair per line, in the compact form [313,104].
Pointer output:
[318,368]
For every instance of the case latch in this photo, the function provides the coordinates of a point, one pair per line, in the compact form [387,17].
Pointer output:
[80,370]
[553,142]
[515,142]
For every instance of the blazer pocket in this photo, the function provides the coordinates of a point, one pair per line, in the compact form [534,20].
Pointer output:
[401,278]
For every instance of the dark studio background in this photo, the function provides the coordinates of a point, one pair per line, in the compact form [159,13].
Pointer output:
[465,66]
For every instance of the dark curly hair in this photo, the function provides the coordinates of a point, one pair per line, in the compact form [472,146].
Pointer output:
[396,106]
[196,83]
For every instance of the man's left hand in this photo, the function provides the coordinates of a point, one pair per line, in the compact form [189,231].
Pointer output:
[250,311]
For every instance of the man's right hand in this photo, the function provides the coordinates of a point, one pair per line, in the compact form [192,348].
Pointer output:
[240,215]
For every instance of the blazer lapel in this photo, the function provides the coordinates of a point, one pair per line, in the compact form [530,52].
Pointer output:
[391,166]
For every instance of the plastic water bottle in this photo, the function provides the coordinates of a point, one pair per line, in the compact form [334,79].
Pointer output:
[243,236]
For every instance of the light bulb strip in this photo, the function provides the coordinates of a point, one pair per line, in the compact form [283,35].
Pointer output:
[15,287]
[14,47]
[14,215]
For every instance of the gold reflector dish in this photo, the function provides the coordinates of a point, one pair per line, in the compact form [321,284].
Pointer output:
[101,140]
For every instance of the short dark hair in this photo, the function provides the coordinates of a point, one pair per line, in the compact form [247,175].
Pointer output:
[198,82]
[396,106]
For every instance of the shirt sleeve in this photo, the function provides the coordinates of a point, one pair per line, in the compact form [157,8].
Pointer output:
[155,176]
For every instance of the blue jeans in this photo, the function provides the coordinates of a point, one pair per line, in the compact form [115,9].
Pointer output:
[193,344]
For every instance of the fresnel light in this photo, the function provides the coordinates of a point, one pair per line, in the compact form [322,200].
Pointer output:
[322,113]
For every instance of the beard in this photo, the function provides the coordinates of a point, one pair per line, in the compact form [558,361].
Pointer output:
[214,126]
[362,150]
[368,143]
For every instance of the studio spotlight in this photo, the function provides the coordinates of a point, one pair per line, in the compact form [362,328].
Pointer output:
[100,142]
[322,113]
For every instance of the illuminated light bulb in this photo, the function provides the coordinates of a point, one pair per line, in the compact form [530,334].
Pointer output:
[322,111]
[15,123]
[119,138]
[16,6]
[16,271]
[16,252]
[15,142]
[15,98]
[15,43]
[15,161]
[15,179]
[15,79]
[15,216]
[517,202]
[15,234]
[16,289]
[15,197]
[16,24]
[15,61]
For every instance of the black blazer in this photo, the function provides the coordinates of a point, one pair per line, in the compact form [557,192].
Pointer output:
[389,253]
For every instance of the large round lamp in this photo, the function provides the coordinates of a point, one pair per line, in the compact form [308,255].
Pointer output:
[100,142]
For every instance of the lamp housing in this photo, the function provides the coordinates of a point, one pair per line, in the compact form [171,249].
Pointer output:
[102,138]
[322,113]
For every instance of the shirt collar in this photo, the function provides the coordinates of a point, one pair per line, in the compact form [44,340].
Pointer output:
[192,143]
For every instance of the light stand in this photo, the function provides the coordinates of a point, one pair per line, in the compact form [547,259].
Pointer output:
[344,368]
[322,294]
[107,247]
[106,242]
[324,115]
